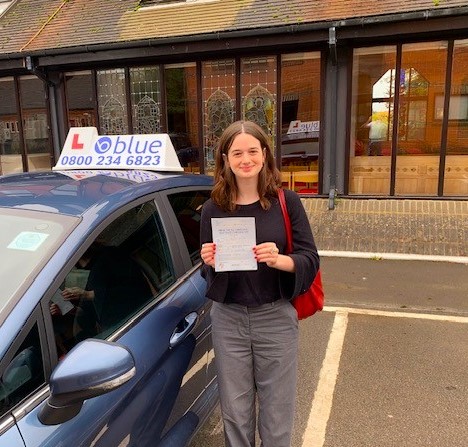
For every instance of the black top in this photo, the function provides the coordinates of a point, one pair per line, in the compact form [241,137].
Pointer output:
[267,284]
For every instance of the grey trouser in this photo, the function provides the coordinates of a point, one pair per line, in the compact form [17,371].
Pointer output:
[256,352]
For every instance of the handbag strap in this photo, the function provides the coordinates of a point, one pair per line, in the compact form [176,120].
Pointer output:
[287,221]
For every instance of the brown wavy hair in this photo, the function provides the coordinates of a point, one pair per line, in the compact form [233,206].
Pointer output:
[225,185]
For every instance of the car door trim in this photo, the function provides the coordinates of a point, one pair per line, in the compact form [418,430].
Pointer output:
[6,423]
[26,407]
[151,305]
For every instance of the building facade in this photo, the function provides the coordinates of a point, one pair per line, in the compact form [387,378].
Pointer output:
[358,99]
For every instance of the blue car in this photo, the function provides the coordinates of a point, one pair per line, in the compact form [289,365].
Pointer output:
[105,336]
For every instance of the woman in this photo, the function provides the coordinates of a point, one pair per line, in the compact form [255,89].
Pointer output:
[255,327]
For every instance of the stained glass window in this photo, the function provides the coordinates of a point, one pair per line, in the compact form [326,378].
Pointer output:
[145,92]
[112,102]
[219,93]
[258,84]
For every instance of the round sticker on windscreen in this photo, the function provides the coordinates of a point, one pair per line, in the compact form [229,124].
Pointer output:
[28,240]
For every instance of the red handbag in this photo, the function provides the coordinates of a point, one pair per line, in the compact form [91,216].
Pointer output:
[312,300]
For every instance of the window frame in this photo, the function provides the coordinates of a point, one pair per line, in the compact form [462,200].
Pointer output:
[22,406]
[176,239]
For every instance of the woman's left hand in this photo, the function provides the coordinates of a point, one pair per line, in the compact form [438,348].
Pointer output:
[267,252]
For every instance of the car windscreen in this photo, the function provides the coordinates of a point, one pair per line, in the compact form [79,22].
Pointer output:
[27,241]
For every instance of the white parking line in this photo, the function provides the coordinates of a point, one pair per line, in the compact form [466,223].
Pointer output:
[393,256]
[398,314]
[314,435]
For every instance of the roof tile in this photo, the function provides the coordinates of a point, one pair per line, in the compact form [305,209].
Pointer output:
[68,23]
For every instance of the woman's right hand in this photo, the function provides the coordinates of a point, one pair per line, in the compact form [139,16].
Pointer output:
[207,253]
[76,293]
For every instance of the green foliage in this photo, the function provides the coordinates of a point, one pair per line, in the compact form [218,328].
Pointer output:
[138,5]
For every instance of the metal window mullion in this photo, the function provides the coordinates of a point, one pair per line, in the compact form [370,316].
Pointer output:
[96,99]
[445,119]
[201,143]
[396,113]
[279,112]
[238,78]
[128,100]
[24,157]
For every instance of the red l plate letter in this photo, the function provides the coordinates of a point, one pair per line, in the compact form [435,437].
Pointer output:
[75,144]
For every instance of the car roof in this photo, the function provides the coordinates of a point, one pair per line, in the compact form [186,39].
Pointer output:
[75,192]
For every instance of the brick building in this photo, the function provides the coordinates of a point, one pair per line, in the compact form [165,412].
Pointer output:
[367,99]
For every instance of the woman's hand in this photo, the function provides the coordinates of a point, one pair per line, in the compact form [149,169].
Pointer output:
[76,293]
[55,310]
[207,253]
[267,252]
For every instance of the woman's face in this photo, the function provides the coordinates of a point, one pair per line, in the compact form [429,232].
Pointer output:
[245,156]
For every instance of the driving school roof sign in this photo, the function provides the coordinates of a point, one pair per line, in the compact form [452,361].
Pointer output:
[84,148]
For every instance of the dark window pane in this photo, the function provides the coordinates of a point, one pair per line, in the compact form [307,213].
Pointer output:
[187,207]
[35,125]
[80,99]
[10,150]
[182,112]
[24,374]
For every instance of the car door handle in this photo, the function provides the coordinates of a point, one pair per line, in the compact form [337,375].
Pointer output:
[183,329]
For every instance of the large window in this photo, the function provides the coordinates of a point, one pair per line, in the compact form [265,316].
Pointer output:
[219,104]
[456,163]
[258,93]
[145,93]
[397,119]
[35,125]
[371,120]
[300,121]
[80,99]
[182,112]
[113,113]
[422,79]
[10,149]
[24,136]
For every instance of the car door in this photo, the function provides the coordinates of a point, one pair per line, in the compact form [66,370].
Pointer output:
[162,326]
[185,205]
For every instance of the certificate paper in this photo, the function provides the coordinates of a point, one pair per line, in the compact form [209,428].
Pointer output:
[64,306]
[234,238]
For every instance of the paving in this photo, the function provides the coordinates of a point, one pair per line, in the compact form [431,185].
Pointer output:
[424,227]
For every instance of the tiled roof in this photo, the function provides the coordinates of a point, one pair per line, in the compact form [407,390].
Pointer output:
[35,25]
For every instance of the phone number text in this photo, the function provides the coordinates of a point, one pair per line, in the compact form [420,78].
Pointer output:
[111,160]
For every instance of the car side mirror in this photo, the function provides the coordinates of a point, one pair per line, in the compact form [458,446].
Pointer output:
[92,368]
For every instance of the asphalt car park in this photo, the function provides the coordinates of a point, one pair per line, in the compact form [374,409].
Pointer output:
[104,325]
[385,363]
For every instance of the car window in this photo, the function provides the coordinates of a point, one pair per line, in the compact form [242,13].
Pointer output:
[23,374]
[187,208]
[124,268]
[27,239]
